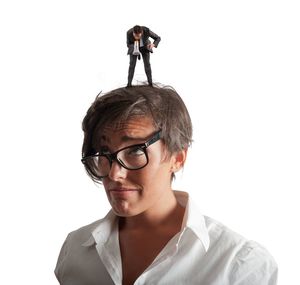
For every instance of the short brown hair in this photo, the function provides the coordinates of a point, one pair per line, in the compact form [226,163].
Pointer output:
[160,103]
[137,29]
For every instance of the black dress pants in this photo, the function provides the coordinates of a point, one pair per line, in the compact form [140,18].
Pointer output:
[147,66]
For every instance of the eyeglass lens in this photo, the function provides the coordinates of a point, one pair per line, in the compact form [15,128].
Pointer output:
[130,158]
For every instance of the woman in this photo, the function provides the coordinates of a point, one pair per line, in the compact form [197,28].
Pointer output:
[135,140]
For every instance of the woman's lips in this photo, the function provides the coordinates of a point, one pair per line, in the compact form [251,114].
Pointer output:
[122,191]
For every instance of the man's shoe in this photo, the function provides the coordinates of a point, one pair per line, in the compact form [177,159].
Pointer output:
[150,84]
[128,85]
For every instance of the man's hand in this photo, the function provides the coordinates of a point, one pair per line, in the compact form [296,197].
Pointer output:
[151,46]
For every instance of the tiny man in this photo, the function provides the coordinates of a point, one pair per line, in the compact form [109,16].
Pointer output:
[138,44]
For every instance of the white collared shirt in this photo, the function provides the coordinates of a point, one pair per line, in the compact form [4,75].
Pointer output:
[204,252]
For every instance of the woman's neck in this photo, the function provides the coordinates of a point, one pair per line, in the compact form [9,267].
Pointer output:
[166,213]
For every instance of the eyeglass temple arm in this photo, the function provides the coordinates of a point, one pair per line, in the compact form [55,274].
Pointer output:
[153,139]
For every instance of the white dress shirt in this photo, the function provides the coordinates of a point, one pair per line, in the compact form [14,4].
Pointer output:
[204,252]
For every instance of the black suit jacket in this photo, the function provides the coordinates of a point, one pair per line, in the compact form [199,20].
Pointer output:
[147,33]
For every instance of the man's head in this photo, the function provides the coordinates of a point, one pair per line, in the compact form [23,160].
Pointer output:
[136,139]
[137,32]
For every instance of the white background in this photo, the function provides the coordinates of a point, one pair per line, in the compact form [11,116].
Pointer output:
[235,63]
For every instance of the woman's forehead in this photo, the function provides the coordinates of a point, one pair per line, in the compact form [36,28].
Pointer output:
[132,123]
[134,128]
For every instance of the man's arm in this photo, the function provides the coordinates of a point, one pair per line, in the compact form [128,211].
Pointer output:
[130,44]
[155,37]
[127,38]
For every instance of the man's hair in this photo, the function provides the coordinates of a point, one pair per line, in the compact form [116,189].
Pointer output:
[161,104]
[137,29]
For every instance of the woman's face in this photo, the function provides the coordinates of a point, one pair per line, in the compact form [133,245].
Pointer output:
[131,192]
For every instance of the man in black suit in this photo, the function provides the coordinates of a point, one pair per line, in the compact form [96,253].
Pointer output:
[138,44]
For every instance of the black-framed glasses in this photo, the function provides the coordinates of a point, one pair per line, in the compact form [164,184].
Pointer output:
[132,157]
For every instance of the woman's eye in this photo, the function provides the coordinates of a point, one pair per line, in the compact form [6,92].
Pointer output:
[135,151]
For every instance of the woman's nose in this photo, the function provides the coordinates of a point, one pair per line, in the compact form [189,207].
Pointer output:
[117,171]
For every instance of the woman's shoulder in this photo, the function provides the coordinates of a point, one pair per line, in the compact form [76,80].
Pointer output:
[83,233]
[242,255]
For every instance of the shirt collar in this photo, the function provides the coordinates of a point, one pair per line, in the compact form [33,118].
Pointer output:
[103,231]
[192,219]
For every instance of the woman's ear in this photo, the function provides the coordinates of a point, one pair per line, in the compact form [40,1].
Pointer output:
[178,160]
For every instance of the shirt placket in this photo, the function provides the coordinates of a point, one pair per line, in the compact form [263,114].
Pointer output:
[109,252]
[162,260]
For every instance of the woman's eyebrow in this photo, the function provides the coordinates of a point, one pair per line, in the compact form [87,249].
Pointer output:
[127,138]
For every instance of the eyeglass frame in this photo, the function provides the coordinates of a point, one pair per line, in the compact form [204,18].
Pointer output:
[113,156]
